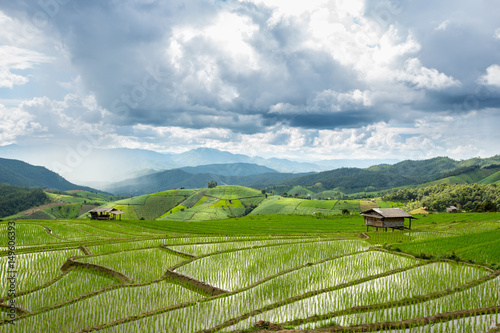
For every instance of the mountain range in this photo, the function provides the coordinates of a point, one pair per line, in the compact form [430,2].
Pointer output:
[99,168]
[342,180]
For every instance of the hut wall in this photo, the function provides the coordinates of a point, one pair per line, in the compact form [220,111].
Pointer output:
[394,223]
[373,222]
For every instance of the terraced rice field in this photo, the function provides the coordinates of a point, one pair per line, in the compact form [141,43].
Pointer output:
[142,277]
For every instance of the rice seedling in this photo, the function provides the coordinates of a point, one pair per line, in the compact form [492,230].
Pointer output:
[127,245]
[475,324]
[484,295]
[77,282]
[141,265]
[34,269]
[274,264]
[104,307]
[66,231]
[419,281]
[330,273]
[204,249]
[233,270]
[99,232]
[28,234]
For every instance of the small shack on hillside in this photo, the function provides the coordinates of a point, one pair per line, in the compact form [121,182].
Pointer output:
[105,214]
[393,218]
[452,209]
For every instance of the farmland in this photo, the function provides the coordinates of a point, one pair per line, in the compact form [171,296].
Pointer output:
[294,271]
[203,204]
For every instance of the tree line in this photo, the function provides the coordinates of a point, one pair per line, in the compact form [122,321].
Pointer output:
[15,199]
[470,197]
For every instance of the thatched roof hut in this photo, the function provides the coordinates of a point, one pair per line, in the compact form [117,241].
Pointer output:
[393,218]
[105,213]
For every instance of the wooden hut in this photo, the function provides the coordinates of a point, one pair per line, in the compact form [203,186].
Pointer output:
[452,209]
[393,218]
[105,214]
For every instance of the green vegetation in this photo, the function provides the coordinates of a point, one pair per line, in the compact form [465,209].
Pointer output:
[14,199]
[297,271]
[438,197]
[18,173]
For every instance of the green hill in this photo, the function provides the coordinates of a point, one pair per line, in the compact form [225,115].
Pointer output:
[14,172]
[224,202]
[191,204]
[50,204]
[14,199]
[340,182]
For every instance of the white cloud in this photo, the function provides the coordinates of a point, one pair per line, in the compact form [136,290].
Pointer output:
[15,58]
[425,78]
[492,76]
[443,25]
[16,123]
[497,33]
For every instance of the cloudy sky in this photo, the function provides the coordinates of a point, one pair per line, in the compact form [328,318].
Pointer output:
[314,79]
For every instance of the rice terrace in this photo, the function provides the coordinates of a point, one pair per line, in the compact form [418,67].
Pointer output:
[232,259]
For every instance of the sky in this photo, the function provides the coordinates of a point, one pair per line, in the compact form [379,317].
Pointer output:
[305,80]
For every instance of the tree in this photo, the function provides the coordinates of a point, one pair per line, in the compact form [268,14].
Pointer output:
[345,211]
[263,191]
[212,184]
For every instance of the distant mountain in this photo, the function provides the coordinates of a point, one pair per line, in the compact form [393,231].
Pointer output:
[14,172]
[382,177]
[99,167]
[203,156]
[230,169]
[177,178]
[96,167]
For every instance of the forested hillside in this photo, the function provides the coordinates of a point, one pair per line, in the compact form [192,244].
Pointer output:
[14,199]
[384,176]
[18,173]
[438,197]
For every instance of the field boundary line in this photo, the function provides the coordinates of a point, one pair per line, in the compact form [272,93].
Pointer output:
[208,288]
[85,296]
[6,308]
[119,251]
[251,248]
[49,231]
[411,323]
[179,253]
[137,317]
[22,293]
[296,268]
[85,250]
[313,293]
[71,262]
[188,304]
[404,302]
[259,238]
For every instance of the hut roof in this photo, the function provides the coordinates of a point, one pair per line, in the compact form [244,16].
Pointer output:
[386,213]
[107,210]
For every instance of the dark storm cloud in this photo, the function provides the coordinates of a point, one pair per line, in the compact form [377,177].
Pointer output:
[123,52]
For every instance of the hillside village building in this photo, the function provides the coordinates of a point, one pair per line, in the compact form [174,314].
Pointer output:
[393,218]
